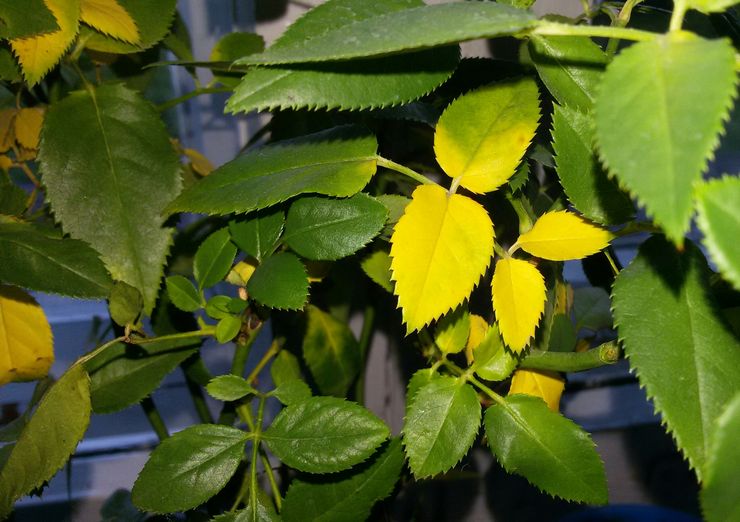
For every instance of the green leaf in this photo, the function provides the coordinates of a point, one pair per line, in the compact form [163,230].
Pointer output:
[109,181]
[587,186]
[280,281]
[336,162]
[188,468]
[29,18]
[232,46]
[125,304]
[709,6]
[327,229]
[229,388]
[349,496]
[284,368]
[396,206]
[12,198]
[183,293]
[718,202]
[125,374]
[153,19]
[331,352]
[259,233]
[592,308]
[571,68]
[291,392]
[650,94]
[441,424]
[420,379]
[719,499]
[407,30]
[217,306]
[666,319]
[325,435]
[451,332]
[227,328]
[553,453]
[49,438]
[492,361]
[265,512]
[377,266]
[214,258]
[32,259]
[563,335]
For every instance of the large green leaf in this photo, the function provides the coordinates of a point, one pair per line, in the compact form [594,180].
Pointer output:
[331,352]
[718,204]
[258,233]
[719,499]
[586,184]
[550,451]
[407,30]
[325,434]
[109,181]
[280,281]
[337,162]
[442,421]
[33,259]
[188,468]
[31,17]
[349,496]
[48,439]
[214,258]
[328,229]
[684,355]
[153,19]
[659,115]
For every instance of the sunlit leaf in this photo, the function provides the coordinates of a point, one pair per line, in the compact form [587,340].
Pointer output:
[107,16]
[544,384]
[562,235]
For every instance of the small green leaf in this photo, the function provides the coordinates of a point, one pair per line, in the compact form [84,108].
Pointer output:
[451,332]
[551,452]
[377,266]
[719,499]
[227,328]
[592,308]
[325,435]
[214,258]
[258,234]
[229,388]
[125,303]
[718,202]
[217,307]
[183,293]
[291,392]
[285,367]
[396,206]
[337,162]
[280,282]
[441,424]
[349,496]
[233,46]
[153,20]
[188,468]
[492,361]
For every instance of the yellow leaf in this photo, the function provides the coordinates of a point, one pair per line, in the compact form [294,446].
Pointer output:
[28,127]
[25,337]
[478,329]
[241,272]
[519,294]
[38,54]
[200,164]
[482,136]
[107,16]
[544,384]
[440,248]
[562,235]
[7,129]
[5,163]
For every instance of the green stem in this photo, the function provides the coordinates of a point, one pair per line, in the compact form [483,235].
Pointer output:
[636,227]
[366,335]
[392,165]
[203,332]
[154,418]
[621,21]
[271,352]
[192,94]
[468,376]
[525,218]
[241,354]
[255,452]
[679,11]
[547,28]
[98,350]
[271,478]
[612,262]
[602,355]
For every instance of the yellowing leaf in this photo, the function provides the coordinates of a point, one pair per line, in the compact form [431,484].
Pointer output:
[7,129]
[5,163]
[25,337]
[440,248]
[478,329]
[201,165]
[28,127]
[241,272]
[482,136]
[562,235]
[38,54]
[518,290]
[107,16]
[540,383]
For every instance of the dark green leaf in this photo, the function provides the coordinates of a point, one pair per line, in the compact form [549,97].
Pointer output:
[492,361]
[291,392]
[685,356]
[396,206]
[214,258]
[592,308]
[34,260]
[125,303]
[12,198]
[188,468]
[284,368]
[441,424]
[229,388]
[349,496]
[718,204]
[233,46]
[109,181]
[325,434]
[338,162]
[562,336]
[153,19]
[22,19]
[550,451]
[719,498]
[280,282]
[520,177]
[9,70]
[227,328]
[183,293]
[258,234]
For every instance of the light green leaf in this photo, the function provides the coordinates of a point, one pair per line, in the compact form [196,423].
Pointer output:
[291,392]
[32,17]
[377,266]
[331,352]
[229,388]
[592,308]
[650,94]
[217,307]
[109,181]
[337,162]
[420,379]
[451,332]
[258,233]
[188,468]
[280,281]
[214,258]
[441,424]
[492,361]
[325,435]
[396,206]
[227,328]
[667,319]
[153,19]
[551,452]
[284,368]
[232,46]
[265,512]
[35,260]
[718,202]
[719,499]
[328,229]
[183,293]
[49,438]
[349,496]
[124,303]
[710,6]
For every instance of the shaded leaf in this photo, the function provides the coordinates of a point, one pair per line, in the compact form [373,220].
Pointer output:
[492,361]
[124,304]
[451,333]
[718,499]
[183,293]
[28,123]
[264,512]
[12,198]
[280,282]
[285,368]
[717,202]
[31,17]
[229,388]
[227,328]
[592,308]
[544,384]
[232,46]
[291,392]
[257,234]
[377,266]
[562,235]
[214,258]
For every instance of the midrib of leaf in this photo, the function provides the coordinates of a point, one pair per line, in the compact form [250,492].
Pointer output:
[214,258]
[663,110]
[513,302]
[342,436]
[317,226]
[333,346]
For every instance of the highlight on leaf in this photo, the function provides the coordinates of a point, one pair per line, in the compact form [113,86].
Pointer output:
[109,17]
[544,384]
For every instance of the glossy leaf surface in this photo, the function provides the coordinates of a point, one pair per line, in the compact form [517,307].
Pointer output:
[563,235]
[280,282]
[258,233]
[214,258]
[183,293]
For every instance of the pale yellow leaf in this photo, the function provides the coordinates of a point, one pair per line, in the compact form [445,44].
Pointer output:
[7,129]
[478,329]
[241,272]
[107,16]
[28,127]
[544,384]
[482,136]
[519,294]
[563,235]
[440,248]
[25,337]
[38,54]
